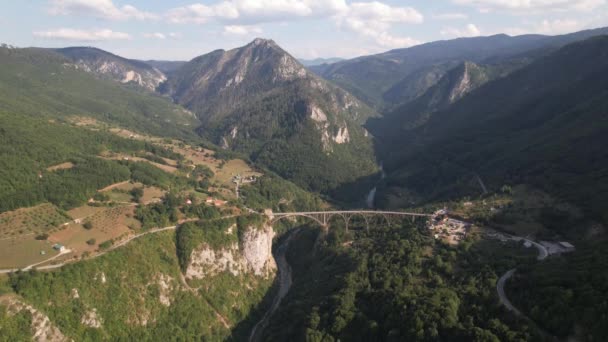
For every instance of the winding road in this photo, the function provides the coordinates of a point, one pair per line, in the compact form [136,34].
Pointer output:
[500,284]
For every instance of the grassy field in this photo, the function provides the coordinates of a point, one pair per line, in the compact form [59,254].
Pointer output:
[111,223]
[24,251]
[62,166]
[31,221]
[152,194]
[122,156]
[119,192]
[84,211]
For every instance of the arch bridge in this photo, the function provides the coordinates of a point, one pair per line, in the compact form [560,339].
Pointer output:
[323,217]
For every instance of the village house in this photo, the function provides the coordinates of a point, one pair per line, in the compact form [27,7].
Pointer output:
[59,247]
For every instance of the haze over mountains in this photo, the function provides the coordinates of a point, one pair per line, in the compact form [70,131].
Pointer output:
[378,78]
[260,101]
[509,133]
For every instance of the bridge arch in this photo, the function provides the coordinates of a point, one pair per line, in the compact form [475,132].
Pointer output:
[323,217]
[321,223]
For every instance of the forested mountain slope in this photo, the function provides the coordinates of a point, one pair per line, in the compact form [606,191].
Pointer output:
[544,124]
[394,284]
[43,82]
[261,101]
[386,79]
[43,99]
[451,87]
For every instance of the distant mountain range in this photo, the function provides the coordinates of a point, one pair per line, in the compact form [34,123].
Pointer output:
[319,61]
[442,98]
[543,124]
[387,79]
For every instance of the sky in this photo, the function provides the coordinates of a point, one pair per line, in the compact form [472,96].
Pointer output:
[184,29]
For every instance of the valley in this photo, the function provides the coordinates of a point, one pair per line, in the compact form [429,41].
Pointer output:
[450,191]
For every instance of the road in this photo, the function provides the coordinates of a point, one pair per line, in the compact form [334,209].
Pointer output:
[120,244]
[500,287]
[285,281]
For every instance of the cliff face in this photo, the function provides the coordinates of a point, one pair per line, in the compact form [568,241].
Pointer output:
[105,65]
[43,330]
[253,254]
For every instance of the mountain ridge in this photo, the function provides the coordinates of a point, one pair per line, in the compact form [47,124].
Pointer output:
[372,77]
[107,65]
[259,100]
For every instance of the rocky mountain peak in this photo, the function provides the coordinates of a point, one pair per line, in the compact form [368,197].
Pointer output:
[263,42]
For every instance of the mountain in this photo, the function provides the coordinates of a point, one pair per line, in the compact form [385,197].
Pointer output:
[41,82]
[450,88]
[109,66]
[376,79]
[543,124]
[165,67]
[319,61]
[261,101]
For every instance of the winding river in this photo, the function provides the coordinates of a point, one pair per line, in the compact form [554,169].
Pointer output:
[285,281]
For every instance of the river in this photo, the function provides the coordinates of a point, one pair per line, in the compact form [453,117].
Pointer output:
[370,199]
[285,281]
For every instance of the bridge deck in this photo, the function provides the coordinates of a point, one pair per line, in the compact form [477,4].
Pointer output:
[338,212]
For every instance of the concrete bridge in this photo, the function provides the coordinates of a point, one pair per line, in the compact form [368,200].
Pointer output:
[323,217]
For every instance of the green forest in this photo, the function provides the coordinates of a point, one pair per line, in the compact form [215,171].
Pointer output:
[567,295]
[396,284]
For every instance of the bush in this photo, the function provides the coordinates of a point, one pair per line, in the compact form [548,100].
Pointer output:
[91,242]
[106,244]
[88,225]
[42,236]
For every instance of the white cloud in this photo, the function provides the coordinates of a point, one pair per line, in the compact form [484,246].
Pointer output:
[155,35]
[377,11]
[240,17]
[373,20]
[104,9]
[200,14]
[255,11]
[559,26]
[82,35]
[528,6]
[548,27]
[469,30]
[451,16]
[242,30]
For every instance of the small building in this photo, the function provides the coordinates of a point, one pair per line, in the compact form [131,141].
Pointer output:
[59,247]
[188,202]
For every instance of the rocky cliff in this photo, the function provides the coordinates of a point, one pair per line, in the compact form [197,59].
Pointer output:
[108,66]
[251,254]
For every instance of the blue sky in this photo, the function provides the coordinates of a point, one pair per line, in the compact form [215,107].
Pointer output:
[182,29]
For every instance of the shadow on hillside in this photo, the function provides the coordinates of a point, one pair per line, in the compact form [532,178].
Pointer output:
[242,330]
